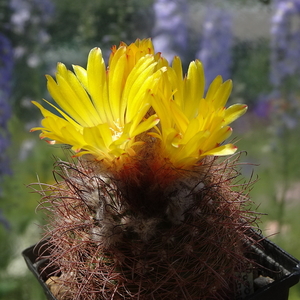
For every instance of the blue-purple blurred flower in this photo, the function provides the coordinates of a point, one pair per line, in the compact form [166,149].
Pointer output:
[24,10]
[284,111]
[6,69]
[285,43]
[31,16]
[216,44]
[263,106]
[170,30]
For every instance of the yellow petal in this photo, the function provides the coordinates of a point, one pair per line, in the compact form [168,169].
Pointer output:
[224,150]
[195,143]
[213,88]
[217,137]
[73,92]
[191,129]
[180,119]
[176,76]
[145,125]
[138,82]
[81,74]
[234,112]
[153,134]
[99,136]
[222,94]
[66,106]
[116,81]
[47,113]
[97,84]
[195,84]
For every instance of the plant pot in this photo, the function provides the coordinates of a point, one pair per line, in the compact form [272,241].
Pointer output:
[36,264]
[275,263]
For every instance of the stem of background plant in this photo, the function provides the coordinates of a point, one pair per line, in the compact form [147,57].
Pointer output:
[284,150]
[285,178]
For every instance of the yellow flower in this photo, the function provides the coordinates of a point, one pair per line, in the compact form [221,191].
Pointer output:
[191,126]
[103,110]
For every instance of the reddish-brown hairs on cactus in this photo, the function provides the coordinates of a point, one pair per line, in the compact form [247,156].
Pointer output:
[192,248]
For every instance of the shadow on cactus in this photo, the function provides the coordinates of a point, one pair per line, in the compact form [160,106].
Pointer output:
[145,209]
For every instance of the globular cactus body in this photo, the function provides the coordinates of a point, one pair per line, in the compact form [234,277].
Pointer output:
[105,247]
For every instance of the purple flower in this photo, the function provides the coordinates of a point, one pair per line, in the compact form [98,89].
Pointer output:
[263,106]
[216,44]
[6,69]
[37,12]
[285,43]
[170,30]
[30,17]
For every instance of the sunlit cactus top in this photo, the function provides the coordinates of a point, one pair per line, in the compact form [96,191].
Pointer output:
[104,110]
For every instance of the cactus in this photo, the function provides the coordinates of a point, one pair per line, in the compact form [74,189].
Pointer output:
[146,209]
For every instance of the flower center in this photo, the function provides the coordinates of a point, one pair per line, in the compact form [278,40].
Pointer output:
[117,130]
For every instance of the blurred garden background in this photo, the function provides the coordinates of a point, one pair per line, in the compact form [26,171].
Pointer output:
[255,43]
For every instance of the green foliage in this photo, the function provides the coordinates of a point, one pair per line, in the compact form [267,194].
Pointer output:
[251,68]
[18,203]
[21,288]
[279,171]
[101,20]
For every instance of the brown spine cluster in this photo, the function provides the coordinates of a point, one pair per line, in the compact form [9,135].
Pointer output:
[107,240]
